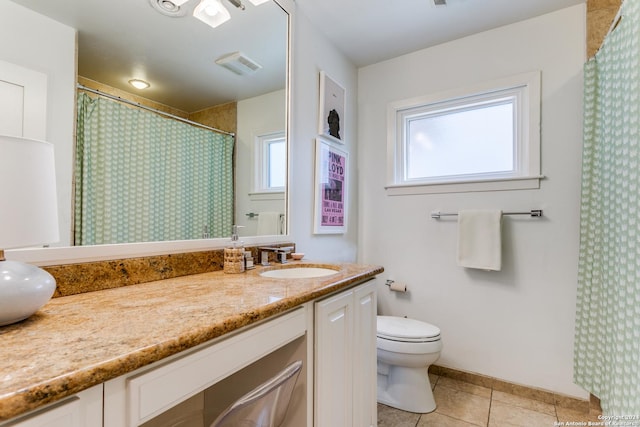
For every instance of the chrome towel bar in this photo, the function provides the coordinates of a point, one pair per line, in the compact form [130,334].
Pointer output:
[534,213]
[253,215]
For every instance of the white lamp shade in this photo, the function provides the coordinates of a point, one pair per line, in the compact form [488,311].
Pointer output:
[212,12]
[28,202]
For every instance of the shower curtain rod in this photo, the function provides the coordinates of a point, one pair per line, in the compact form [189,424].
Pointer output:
[615,21]
[153,110]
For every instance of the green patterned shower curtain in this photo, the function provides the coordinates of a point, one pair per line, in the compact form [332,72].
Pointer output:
[607,341]
[140,177]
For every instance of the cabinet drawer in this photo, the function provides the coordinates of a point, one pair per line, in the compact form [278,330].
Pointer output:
[81,410]
[63,414]
[151,393]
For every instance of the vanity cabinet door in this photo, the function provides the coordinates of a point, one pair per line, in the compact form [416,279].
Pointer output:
[334,355]
[345,368]
[81,410]
[365,370]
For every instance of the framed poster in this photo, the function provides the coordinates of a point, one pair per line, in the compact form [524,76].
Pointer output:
[330,213]
[332,108]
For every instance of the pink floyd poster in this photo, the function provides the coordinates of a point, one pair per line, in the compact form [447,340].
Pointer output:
[332,185]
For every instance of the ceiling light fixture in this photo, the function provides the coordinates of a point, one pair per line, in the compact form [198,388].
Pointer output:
[139,84]
[440,2]
[211,12]
[258,2]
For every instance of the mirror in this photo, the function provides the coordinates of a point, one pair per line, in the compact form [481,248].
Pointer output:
[122,40]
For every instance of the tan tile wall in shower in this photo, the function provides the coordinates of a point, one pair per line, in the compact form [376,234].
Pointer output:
[600,14]
[223,117]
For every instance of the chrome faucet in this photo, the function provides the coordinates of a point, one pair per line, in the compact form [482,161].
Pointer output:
[281,254]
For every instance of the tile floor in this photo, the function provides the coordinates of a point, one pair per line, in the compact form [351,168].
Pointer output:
[461,404]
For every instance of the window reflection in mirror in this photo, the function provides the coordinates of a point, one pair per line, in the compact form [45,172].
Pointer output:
[271,164]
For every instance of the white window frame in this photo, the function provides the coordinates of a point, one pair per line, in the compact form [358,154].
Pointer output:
[525,90]
[261,148]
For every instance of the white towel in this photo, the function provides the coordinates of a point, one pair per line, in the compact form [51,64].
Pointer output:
[268,223]
[479,239]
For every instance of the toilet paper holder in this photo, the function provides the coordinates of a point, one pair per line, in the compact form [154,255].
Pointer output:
[396,286]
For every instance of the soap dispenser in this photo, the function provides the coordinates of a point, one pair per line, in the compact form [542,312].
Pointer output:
[234,254]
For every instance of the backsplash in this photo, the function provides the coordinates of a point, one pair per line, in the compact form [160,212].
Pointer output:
[94,276]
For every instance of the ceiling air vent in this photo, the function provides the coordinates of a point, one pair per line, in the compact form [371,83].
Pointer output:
[239,63]
[170,8]
[440,2]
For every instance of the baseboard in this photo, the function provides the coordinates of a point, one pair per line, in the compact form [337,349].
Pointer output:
[584,406]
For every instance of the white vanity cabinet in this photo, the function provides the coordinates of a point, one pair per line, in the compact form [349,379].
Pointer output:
[334,337]
[345,358]
[80,410]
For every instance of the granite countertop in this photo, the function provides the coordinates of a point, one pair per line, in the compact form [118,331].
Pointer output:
[77,341]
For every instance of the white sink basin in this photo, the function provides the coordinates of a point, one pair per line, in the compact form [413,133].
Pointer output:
[298,272]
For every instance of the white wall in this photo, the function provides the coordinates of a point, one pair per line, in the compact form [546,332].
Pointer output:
[313,53]
[257,116]
[42,44]
[516,324]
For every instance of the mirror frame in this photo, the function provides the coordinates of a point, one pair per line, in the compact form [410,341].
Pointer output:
[78,254]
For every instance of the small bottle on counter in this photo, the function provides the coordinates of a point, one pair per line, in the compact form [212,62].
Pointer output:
[234,254]
[248,260]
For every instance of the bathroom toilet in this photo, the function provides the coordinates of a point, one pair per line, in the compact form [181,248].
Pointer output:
[406,348]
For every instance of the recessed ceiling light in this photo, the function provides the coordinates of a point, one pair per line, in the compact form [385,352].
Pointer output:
[258,2]
[139,84]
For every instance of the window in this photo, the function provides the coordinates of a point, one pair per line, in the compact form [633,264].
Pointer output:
[474,139]
[271,163]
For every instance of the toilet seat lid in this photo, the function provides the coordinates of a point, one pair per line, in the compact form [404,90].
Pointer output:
[403,329]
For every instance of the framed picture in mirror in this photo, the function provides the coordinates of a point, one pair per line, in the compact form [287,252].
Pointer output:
[331,179]
[331,123]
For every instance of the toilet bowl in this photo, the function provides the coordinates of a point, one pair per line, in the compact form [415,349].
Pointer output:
[406,348]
